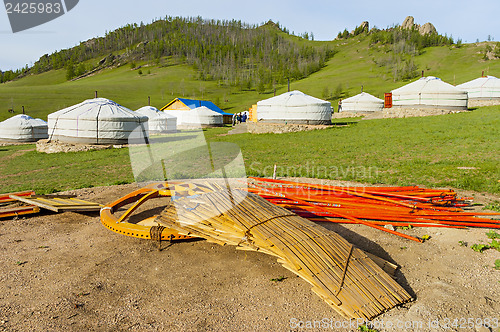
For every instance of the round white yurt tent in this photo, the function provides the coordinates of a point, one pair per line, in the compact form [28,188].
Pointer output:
[362,103]
[199,117]
[159,122]
[96,121]
[482,91]
[294,107]
[23,128]
[429,93]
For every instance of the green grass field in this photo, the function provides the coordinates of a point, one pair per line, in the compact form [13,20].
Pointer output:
[22,168]
[455,150]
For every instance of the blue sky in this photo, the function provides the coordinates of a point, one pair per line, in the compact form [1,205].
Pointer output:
[468,20]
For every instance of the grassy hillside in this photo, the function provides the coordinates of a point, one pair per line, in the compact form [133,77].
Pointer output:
[45,93]
[354,65]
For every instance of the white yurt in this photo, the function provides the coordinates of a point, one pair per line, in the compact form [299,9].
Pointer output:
[96,121]
[23,128]
[481,90]
[159,122]
[200,117]
[294,107]
[362,103]
[429,93]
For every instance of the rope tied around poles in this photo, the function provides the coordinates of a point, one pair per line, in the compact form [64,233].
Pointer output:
[155,234]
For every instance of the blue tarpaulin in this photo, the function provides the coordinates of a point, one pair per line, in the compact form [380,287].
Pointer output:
[192,103]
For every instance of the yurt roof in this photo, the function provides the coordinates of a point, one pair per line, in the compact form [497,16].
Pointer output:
[153,112]
[23,128]
[205,111]
[363,97]
[22,121]
[488,81]
[293,99]
[98,108]
[429,84]
[194,103]
[41,122]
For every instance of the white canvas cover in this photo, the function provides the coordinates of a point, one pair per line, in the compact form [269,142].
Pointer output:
[159,121]
[197,117]
[294,107]
[23,128]
[429,92]
[40,122]
[363,102]
[482,88]
[96,121]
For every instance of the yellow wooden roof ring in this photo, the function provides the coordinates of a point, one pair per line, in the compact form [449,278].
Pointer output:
[343,276]
[143,229]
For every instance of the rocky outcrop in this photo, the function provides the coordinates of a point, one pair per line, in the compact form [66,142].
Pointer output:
[365,26]
[427,29]
[408,23]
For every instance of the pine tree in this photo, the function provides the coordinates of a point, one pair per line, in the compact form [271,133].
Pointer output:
[70,71]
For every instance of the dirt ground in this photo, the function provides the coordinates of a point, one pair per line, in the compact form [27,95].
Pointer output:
[395,112]
[67,272]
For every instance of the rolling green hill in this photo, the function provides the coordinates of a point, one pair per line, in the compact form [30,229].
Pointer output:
[347,65]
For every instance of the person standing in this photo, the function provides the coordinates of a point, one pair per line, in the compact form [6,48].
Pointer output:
[340,105]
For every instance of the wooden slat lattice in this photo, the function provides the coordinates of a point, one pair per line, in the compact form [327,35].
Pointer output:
[342,275]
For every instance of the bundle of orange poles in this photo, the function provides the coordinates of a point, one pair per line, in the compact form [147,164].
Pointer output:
[409,206]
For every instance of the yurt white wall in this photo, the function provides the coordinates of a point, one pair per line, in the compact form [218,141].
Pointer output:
[23,128]
[430,93]
[96,121]
[482,91]
[294,107]
[158,121]
[199,117]
[362,103]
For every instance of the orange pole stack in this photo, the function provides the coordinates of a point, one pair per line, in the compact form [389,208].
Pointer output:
[373,206]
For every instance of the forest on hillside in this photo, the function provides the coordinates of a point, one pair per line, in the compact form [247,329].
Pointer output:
[400,46]
[235,53]
[232,52]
